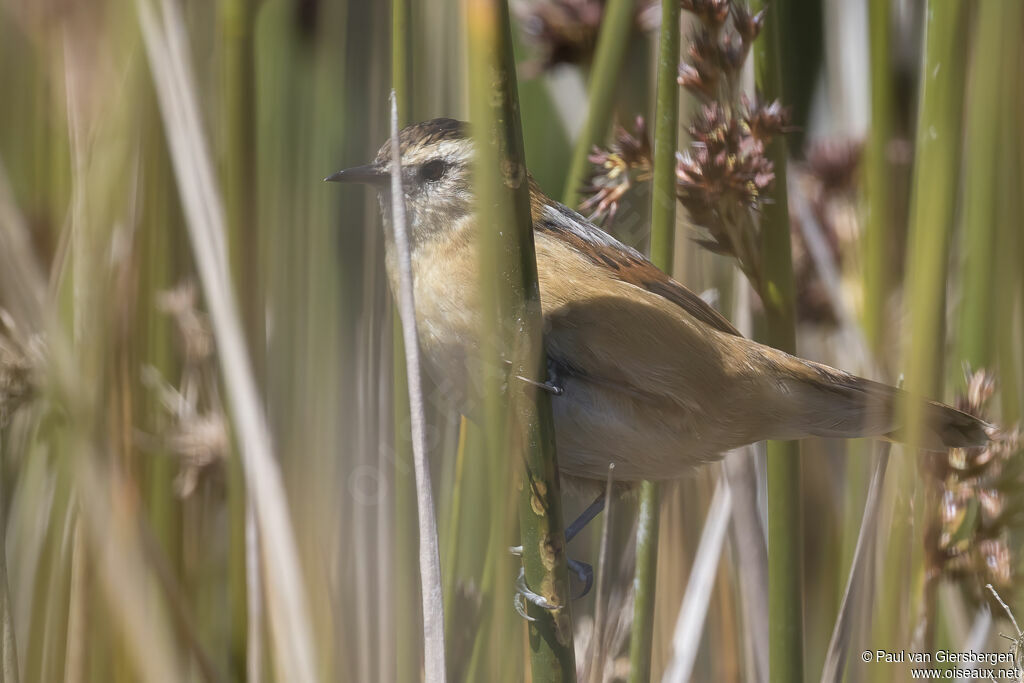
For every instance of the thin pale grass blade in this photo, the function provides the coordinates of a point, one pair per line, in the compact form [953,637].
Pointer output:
[1006,608]
[75,649]
[596,655]
[287,610]
[977,635]
[430,557]
[8,649]
[694,610]
[863,559]
[253,598]
[752,552]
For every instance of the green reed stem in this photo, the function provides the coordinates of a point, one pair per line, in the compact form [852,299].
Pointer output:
[666,134]
[932,212]
[933,198]
[451,554]
[982,155]
[1008,236]
[512,331]
[878,238]
[663,227]
[609,55]
[238,169]
[645,581]
[785,517]
[238,21]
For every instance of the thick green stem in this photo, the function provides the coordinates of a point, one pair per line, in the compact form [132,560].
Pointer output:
[933,199]
[663,227]
[983,152]
[878,237]
[237,20]
[240,191]
[512,332]
[666,134]
[1008,235]
[609,56]
[785,523]
[932,212]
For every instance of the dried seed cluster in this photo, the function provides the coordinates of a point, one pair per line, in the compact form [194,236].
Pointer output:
[19,363]
[565,31]
[828,181]
[627,161]
[724,174]
[726,163]
[196,429]
[978,504]
[718,50]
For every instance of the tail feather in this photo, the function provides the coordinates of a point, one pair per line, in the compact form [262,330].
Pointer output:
[831,403]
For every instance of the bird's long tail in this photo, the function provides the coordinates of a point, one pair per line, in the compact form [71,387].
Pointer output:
[823,401]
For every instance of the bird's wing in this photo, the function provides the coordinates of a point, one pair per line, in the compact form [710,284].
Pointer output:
[622,262]
[615,319]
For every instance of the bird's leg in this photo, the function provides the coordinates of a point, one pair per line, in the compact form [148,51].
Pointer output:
[552,385]
[583,571]
[577,525]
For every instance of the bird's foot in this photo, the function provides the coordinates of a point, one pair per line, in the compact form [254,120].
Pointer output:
[524,595]
[585,573]
[581,570]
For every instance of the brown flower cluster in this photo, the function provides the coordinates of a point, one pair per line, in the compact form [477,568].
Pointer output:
[726,161]
[834,164]
[827,183]
[719,48]
[19,361]
[722,178]
[979,507]
[565,31]
[628,160]
[195,426]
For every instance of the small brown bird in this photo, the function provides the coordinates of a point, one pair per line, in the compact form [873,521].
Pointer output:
[653,378]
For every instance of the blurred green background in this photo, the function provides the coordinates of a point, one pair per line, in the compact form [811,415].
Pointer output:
[130,538]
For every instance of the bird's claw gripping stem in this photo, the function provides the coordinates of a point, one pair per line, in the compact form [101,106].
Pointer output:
[524,594]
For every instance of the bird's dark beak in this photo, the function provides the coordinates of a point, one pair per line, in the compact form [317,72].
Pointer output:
[369,174]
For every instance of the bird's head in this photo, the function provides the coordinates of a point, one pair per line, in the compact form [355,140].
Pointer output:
[437,159]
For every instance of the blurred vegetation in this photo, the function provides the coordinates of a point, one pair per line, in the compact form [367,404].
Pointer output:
[139,542]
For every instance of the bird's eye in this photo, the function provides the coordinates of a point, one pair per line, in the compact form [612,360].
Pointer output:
[432,170]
